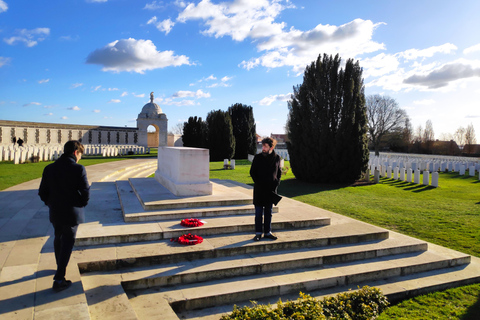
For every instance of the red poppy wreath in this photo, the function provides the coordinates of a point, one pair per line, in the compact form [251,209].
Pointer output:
[188,239]
[190,223]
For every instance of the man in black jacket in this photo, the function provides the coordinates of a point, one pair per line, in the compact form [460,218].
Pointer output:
[65,190]
[266,173]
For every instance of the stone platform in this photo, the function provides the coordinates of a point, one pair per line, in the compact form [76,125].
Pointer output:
[124,265]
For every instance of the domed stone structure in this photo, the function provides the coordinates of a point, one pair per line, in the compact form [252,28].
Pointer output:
[151,114]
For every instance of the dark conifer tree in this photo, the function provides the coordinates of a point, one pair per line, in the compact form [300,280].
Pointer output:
[220,139]
[327,123]
[195,133]
[243,130]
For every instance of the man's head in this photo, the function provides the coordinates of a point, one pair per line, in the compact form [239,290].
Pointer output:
[268,144]
[74,147]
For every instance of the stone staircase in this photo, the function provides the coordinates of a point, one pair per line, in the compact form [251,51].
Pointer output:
[131,270]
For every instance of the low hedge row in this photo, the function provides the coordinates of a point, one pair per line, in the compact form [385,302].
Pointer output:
[362,304]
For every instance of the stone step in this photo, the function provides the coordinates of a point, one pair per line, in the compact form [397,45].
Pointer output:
[133,211]
[396,289]
[124,172]
[165,251]
[92,235]
[230,291]
[153,196]
[264,262]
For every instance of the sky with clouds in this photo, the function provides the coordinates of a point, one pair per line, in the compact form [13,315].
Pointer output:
[96,61]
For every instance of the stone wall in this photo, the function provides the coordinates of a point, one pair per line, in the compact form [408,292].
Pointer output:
[38,133]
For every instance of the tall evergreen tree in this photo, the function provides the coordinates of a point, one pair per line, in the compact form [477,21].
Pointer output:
[220,139]
[327,123]
[195,133]
[244,130]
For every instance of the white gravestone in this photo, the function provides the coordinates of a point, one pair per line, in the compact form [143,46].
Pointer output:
[435,179]
[462,170]
[426,177]
[402,174]
[376,177]
[395,173]
[389,172]
[471,171]
[232,163]
[416,177]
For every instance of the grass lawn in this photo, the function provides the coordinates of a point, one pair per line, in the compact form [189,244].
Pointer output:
[13,174]
[448,216]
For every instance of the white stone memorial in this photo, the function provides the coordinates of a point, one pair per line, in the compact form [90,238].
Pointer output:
[471,171]
[184,171]
[409,175]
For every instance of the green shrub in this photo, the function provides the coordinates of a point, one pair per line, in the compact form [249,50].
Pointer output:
[365,303]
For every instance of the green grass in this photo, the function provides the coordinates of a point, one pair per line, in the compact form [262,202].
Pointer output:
[13,174]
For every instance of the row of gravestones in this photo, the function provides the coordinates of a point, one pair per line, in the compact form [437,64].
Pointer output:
[402,174]
[50,153]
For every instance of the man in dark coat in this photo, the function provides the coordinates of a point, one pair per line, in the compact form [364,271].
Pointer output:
[266,173]
[65,190]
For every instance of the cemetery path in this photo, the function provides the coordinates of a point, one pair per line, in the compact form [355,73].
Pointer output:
[27,262]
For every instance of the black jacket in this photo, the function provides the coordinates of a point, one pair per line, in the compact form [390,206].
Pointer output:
[65,190]
[266,173]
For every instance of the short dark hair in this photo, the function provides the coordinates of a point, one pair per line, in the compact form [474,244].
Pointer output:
[270,141]
[73,145]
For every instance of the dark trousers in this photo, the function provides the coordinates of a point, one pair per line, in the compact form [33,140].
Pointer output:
[63,245]
[266,212]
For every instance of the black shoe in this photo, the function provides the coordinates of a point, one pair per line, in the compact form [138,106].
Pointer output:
[61,285]
[270,236]
[257,237]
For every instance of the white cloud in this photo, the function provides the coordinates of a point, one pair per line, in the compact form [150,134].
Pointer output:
[64,118]
[225,79]
[76,85]
[48,114]
[379,65]
[97,88]
[180,103]
[191,94]
[163,26]
[413,54]
[75,108]
[125,93]
[32,104]
[139,95]
[112,89]
[237,19]
[445,74]
[96,1]
[43,81]
[134,55]
[472,49]
[115,101]
[96,111]
[154,5]
[3,6]
[278,97]
[48,107]
[296,48]
[4,60]
[424,102]
[29,37]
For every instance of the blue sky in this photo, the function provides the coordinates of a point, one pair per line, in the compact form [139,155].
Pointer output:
[96,61]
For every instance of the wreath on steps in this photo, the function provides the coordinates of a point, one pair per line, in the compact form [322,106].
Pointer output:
[190,223]
[188,239]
